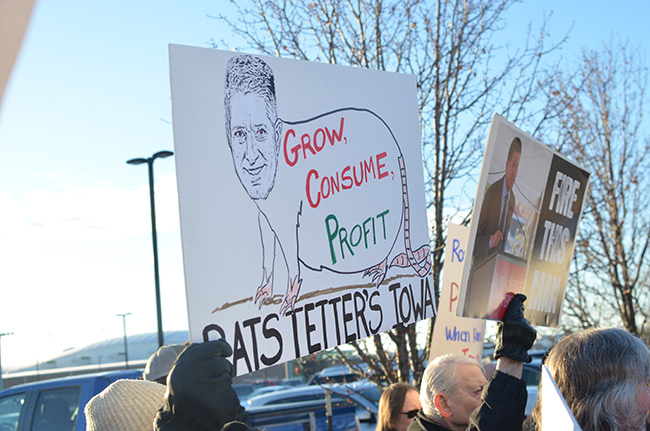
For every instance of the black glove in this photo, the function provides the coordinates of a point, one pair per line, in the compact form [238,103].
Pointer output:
[515,335]
[199,390]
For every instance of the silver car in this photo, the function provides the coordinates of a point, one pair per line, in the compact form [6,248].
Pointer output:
[363,394]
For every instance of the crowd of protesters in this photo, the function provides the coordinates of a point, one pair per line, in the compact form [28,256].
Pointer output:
[603,374]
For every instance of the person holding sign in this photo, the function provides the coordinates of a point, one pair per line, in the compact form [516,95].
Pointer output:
[604,376]
[498,207]
[500,404]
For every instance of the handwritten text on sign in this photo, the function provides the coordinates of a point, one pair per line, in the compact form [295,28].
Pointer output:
[453,334]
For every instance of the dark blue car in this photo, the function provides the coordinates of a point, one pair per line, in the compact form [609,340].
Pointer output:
[54,405]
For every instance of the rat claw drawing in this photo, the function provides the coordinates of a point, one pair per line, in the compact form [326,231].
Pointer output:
[288,305]
[379,278]
[291,297]
[377,272]
[265,290]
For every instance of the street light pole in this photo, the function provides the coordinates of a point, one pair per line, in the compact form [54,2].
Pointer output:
[126,348]
[149,161]
[3,334]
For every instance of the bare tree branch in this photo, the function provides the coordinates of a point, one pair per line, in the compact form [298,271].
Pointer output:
[602,128]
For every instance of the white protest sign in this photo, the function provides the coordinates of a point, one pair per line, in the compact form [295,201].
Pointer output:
[525,220]
[301,193]
[556,414]
[453,334]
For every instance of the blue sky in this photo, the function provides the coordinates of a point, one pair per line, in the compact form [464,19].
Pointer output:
[90,90]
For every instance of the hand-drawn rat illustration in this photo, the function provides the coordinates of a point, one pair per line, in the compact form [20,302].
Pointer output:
[347,158]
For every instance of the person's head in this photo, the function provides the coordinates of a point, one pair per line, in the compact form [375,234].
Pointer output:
[512,164]
[603,375]
[451,390]
[398,405]
[127,405]
[161,362]
[252,125]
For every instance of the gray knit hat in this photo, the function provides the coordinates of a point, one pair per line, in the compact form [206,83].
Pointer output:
[161,362]
[125,405]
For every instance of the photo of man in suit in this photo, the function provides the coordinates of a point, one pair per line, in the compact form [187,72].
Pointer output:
[497,208]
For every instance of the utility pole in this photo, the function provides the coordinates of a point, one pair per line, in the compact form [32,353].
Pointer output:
[149,161]
[126,348]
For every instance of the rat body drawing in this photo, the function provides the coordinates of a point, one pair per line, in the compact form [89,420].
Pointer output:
[346,155]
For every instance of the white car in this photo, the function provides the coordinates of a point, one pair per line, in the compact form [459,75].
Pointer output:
[532,374]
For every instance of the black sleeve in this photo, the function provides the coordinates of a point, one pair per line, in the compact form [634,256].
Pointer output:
[504,403]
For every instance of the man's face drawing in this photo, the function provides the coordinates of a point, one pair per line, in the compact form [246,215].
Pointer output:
[512,166]
[254,142]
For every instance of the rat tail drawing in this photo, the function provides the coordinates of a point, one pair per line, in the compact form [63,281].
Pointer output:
[419,259]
